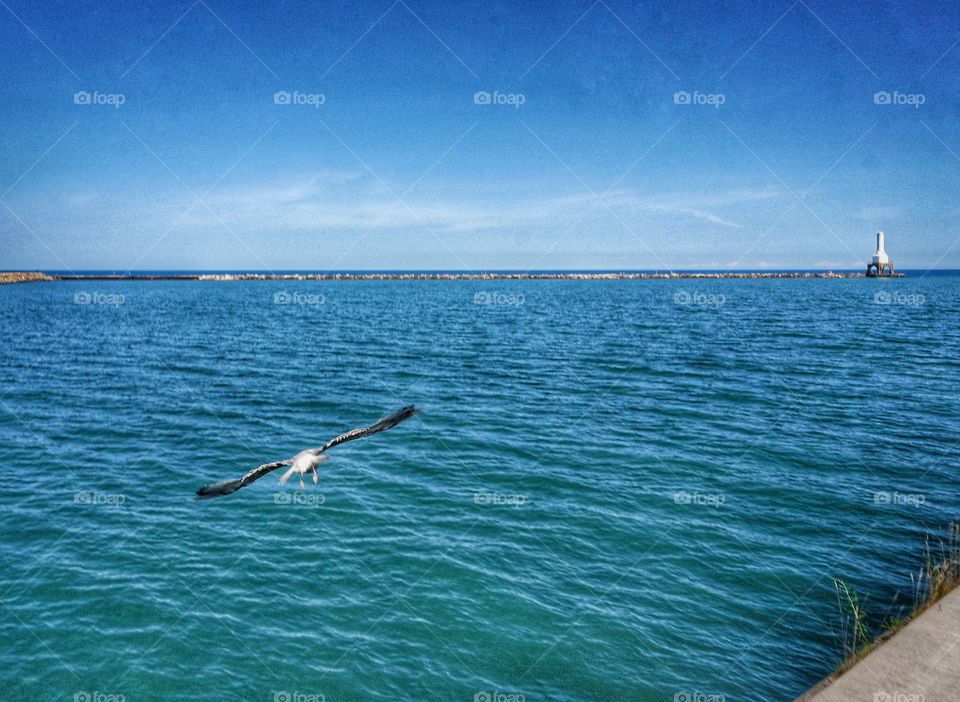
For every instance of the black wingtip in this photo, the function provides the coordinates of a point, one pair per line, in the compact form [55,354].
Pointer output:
[393,419]
[208,492]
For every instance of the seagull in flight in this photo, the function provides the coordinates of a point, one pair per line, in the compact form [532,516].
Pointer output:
[305,461]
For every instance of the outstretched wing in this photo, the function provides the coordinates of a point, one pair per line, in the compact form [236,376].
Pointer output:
[382,424]
[225,488]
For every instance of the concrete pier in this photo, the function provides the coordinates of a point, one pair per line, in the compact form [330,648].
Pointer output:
[920,663]
[667,275]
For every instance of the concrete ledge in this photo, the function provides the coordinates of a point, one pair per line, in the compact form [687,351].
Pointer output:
[920,663]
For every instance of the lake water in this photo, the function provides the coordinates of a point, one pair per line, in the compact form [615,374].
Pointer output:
[617,490]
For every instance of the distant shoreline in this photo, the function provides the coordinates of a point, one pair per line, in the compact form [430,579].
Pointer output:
[36,277]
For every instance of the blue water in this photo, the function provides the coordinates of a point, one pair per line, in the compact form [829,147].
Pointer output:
[617,490]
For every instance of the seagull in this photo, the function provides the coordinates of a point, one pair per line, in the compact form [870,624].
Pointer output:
[305,461]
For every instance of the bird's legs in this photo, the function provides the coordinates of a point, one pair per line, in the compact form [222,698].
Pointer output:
[301,466]
[313,471]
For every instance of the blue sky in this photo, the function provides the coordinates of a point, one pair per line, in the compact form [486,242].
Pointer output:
[617,135]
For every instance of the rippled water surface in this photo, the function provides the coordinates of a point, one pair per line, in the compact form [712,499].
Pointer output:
[617,490]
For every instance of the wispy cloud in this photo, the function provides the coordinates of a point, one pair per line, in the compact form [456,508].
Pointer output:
[347,201]
[880,212]
[295,190]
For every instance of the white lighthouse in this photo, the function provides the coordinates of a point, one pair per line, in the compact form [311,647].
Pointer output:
[880,265]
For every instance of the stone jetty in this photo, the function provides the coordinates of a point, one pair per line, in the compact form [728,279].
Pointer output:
[226,277]
[667,275]
[23,278]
